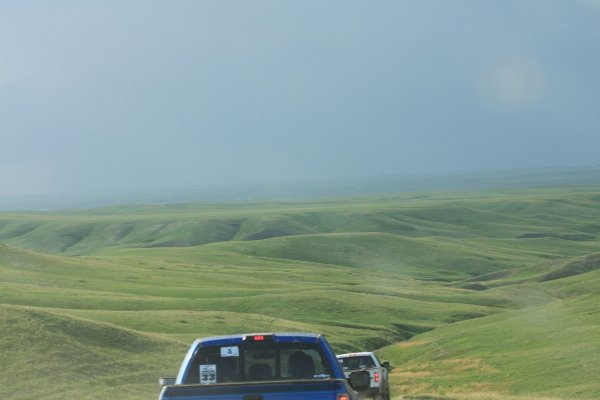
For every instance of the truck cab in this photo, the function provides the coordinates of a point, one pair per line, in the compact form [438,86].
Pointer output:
[262,366]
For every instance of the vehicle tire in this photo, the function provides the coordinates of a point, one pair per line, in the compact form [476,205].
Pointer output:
[386,394]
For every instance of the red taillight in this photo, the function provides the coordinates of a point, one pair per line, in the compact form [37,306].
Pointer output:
[343,396]
[376,377]
[258,338]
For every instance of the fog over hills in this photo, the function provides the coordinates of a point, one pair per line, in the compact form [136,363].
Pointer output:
[311,189]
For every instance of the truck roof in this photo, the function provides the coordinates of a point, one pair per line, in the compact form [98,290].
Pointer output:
[360,353]
[277,337]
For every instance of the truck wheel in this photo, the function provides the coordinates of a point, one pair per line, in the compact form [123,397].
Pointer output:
[386,394]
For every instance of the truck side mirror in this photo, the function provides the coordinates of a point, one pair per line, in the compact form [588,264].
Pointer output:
[359,380]
[386,364]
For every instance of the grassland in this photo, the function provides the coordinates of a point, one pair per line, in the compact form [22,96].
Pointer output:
[469,295]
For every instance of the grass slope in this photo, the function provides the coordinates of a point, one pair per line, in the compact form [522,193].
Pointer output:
[51,356]
[189,281]
[549,350]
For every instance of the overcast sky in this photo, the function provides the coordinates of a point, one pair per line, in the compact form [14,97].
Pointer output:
[100,96]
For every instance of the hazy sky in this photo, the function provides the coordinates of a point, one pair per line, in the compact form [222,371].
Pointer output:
[128,95]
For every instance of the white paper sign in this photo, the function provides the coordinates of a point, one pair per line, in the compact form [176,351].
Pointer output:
[232,351]
[208,374]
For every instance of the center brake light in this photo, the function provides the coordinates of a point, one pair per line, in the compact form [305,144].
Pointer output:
[343,396]
[258,338]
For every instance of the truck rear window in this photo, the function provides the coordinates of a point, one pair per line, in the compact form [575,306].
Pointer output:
[262,361]
[357,362]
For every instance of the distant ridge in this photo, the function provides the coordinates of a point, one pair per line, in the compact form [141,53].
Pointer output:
[309,189]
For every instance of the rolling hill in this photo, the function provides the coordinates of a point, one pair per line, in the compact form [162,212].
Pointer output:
[549,350]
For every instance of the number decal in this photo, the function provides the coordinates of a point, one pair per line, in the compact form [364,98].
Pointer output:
[208,374]
[232,351]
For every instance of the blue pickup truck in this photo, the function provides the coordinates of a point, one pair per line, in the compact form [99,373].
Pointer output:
[265,366]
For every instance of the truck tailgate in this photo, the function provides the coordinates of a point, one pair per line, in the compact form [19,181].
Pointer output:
[296,390]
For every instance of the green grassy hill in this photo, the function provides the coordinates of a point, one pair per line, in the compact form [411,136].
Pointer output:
[47,355]
[469,292]
[549,350]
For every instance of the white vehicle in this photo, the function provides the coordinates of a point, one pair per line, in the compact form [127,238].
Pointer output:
[367,361]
